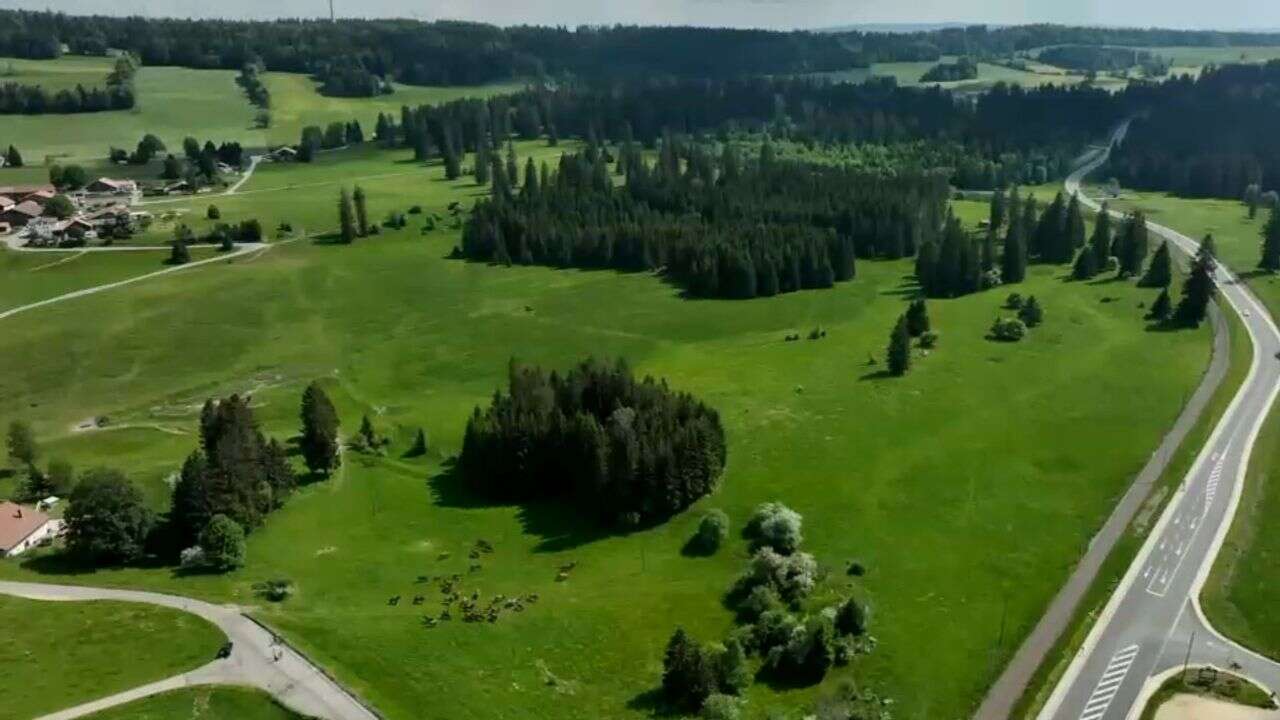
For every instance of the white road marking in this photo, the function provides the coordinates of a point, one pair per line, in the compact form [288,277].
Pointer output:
[1109,684]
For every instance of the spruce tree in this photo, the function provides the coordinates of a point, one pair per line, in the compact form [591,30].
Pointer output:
[687,676]
[899,350]
[1086,265]
[1013,262]
[346,218]
[1132,245]
[1100,241]
[1160,271]
[513,169]
[1271,243]
[997,213]
[190,506]
[1075,230]
[482,165]
[917,318]
[419,447]
[362,211]
[319,441]
[1198,290]
[179,254]
[13,158]
[1162,308]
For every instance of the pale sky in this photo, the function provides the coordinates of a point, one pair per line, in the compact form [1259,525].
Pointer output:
[1199,14]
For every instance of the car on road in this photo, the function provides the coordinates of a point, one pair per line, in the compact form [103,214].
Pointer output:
[225,650]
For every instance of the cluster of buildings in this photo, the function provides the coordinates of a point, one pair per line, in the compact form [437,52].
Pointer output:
[100,206]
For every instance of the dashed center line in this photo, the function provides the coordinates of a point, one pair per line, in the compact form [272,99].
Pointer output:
[1109,684]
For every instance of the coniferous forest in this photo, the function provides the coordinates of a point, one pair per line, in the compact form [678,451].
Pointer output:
[625,450]
[718,227]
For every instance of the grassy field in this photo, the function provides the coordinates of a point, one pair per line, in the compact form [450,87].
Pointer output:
[201,703]
[908,74]
[176,102]
[962,524]
[60,654]
[30,277]
[63,74]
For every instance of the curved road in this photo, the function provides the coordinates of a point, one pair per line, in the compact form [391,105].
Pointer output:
[1153,623]
[292,679]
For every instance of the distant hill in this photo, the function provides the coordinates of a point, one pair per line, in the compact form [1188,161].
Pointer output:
[897,28]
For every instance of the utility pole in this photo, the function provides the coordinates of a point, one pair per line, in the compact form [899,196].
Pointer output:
[332,17]
[1187,661]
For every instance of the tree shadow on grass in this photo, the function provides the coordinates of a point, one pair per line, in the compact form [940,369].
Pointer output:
[652,703]
[558,522]
[875,375]
[60,562]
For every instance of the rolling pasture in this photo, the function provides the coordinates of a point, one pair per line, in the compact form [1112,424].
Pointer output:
[967,488]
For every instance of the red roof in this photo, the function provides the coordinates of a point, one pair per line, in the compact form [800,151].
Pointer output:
[17,523]
[30,208]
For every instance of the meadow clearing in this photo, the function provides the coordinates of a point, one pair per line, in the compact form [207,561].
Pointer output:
[967,527]
[60,654]
[201,703]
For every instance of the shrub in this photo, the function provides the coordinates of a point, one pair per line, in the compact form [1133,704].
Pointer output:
[791,576]
[776,526]
[732,674]
[809,652]
[415,210]
[1013,302]
[856,568]
[758,601]
[213,213]
[277,590]
[721,707]
[1008,330]
[192,558]
[929,340]
[712,531]
[1031,314]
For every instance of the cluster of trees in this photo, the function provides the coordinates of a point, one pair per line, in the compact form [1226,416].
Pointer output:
[964,68]
[914,323]
[623,450]
[147,149]
[1095,58]
[250,80]
[769,597]
[353,215]
[1213,136]
[348,77]
[334,135]
[718,226]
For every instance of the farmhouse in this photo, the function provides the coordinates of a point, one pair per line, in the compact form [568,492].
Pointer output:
[40,197]
[108,186]
[22,528]
[22,213]
[21,191]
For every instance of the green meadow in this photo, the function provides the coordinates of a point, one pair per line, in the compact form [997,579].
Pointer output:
[201,703]
[967,488]
[63,74]
[60,654]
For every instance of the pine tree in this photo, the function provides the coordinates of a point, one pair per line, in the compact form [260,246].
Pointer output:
[530,187]
[1048,243]
[419,447]
[1271,243]
[319,442]
[13,158]
[899,350]
[1160,271]
[1100,241]
[190,507]
[732,673]
[687,676]
[917,318]
[1162,308]
[346,218]
[1013,263]
[179,254]
[513,169]
[481,170]
[1086,265]
[1132,245]
[997,211]
[1075,231]
[1198,290]
[362,212]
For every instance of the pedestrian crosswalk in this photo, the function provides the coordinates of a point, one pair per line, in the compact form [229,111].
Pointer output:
[1109,684]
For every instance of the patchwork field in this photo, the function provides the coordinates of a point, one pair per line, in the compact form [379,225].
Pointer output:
[60,654]
[967,527]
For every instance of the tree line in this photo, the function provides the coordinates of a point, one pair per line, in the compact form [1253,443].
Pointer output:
[964,68]
[624,450]
[117,94]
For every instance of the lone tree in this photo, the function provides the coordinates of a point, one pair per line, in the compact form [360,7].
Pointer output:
[22,444]
[899,351]
[362,211]
[1162,308]
[319,442]
[13,158]
[1160,271]
[1198,290]
[419,447]
[346,218]
[222,541]
[1271,243]
[917,318]
[107,520]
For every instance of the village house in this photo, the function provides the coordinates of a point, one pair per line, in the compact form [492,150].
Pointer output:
[6,202]
[40,197]
[21,214]
[19,192]
[108,186]
[22,528]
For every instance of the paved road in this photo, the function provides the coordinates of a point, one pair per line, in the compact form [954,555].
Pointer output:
[1153,623]
[293,680]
